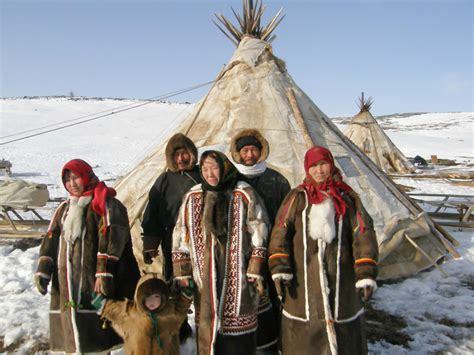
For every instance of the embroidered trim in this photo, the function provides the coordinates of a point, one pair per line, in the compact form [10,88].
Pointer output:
[278,255]
[259,253]
[365,261]
[107,257]
[361,223]
[286,210]
[196,233]
[179,256]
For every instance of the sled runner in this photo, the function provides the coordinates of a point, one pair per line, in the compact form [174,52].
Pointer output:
[23,210]
[448,210]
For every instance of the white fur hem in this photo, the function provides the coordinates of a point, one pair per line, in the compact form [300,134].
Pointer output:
[282,276]
[267,345]
[290,316]
[104,274]
[354,317]
[183,277]
[366,283]
[255,276]
[43,275]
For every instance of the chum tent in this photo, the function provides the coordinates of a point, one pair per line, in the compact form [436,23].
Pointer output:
[367,134]
[255,90]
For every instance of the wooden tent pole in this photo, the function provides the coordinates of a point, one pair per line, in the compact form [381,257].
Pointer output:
[290,94]
[412,242]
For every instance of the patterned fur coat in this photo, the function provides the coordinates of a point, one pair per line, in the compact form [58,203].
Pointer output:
[73,269]
[225,302]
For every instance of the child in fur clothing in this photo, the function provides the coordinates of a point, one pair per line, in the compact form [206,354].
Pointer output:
[149,324]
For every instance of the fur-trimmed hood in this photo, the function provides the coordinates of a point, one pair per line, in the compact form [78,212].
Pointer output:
[179,140]
[148,285]
[246,133]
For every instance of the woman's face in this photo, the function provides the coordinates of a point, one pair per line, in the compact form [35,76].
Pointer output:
[321,171]
[73,183]
[153,302]
[210,171]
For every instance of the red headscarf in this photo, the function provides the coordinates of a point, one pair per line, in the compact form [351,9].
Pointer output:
[92,185]
[333,186]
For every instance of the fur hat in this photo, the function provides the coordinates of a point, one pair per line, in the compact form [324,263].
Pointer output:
[178,141]
[241,137]
[148,285]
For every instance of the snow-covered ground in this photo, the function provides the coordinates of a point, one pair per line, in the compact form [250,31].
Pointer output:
[447,135]
[439,311]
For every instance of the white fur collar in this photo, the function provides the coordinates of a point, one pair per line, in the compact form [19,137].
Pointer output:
[73,223]
[253,170]
[321,221]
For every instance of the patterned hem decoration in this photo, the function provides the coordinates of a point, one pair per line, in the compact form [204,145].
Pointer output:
[259,252]
[239,325]
[233,275]
[198,239]
[179,256]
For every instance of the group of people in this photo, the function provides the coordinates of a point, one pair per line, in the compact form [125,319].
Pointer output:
[268,268]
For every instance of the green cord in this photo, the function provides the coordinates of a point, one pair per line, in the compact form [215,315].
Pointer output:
[154,321]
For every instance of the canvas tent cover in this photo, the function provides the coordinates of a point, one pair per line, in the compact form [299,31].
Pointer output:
[255,90]
[20,193]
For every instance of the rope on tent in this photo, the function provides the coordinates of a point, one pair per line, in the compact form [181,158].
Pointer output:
[120,110]
[146,151]
[218,77]
[186,131]
[70,120]
[113,112]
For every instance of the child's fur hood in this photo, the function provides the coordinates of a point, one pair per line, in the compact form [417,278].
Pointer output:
[148,285]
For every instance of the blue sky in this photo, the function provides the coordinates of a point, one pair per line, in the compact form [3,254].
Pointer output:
[411,55]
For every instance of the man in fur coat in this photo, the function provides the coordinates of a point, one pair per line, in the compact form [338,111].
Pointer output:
[323,257]
[250,150]
[220,242]
[150,323]
[87,248]
[165,198]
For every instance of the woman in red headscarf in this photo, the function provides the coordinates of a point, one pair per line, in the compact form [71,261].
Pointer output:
[323,259]
[87,248]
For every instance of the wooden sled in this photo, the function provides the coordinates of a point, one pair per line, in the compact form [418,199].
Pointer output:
[24,221]
[448,210]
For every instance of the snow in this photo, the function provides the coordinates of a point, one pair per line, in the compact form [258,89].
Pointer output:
[439,311]
[447,135]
